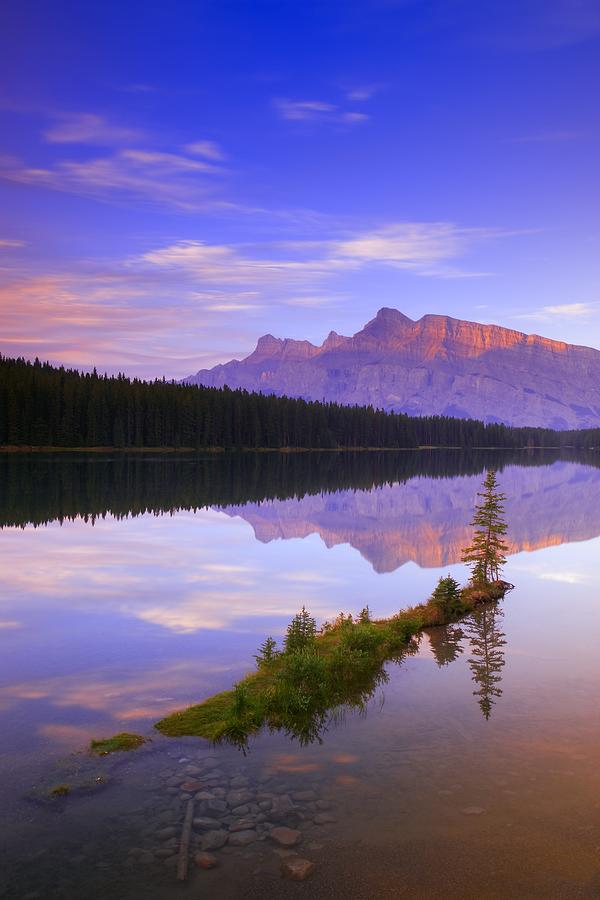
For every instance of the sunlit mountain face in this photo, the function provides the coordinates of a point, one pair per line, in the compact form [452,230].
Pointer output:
[436,365]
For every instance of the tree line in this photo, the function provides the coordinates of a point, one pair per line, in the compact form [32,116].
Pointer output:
[50,406]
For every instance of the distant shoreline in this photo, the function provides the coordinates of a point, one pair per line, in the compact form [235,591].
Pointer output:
[9,448]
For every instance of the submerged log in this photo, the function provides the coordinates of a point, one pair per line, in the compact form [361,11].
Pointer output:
[184,844]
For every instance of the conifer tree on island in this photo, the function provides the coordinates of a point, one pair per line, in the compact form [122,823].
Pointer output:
[487,552]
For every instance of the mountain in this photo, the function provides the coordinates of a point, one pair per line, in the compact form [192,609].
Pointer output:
[428,520]
[436,365]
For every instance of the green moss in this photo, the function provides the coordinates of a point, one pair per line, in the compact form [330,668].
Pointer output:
[119,742]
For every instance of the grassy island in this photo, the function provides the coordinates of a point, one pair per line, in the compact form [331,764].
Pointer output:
[318,675]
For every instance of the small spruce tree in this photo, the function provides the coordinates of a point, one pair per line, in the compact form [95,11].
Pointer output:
[487,551]
[446,596]
[364,615]
[267,653]
[301,632]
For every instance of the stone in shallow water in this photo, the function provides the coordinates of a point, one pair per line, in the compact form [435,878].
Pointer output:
[163,834]
[324,818]
[242,825]
[214,840]
[191,786]
[239,781]
[296,868]
[205,860]
[286,837]
[304,796]
[240,797]
[241,810]
[218,806]
[281,806]
[204,823]
[242,838]
[473,810]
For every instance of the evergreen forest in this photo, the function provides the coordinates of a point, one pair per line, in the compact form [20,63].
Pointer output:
[47,406]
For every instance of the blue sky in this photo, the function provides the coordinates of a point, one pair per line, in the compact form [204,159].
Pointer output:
[177,179]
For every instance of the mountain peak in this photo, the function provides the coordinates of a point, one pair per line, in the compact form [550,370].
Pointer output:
[267,345]
[437,365]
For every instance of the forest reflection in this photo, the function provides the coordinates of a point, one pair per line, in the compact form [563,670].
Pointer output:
[391,507]
[38,488]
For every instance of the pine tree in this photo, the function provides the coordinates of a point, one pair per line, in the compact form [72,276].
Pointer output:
[301,632]
[446,596]
[487,552]
[364,615]
[267,653]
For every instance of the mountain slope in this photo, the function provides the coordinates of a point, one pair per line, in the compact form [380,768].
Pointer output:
[436,365]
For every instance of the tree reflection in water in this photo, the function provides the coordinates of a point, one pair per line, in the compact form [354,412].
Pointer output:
[445,643]
[482,629]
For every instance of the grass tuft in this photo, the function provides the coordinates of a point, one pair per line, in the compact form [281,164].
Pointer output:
[123,741]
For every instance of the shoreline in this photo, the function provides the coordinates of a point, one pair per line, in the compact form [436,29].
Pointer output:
[26,448]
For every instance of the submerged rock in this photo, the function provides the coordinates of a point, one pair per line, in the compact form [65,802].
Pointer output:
[296,868]
[214,840]
[285,837]
[242,838]
[205,860]
[324,818]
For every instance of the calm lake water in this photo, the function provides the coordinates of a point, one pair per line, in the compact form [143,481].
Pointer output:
[134,585]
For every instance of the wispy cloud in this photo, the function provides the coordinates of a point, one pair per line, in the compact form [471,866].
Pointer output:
[88,128]
[422,247]
[317,111]
[563,310]
[6,244]
[207,149]
[151,177]
[363,92]
[151,312]
[565,577]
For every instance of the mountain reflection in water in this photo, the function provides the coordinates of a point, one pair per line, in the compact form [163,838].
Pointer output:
[427,520]
[392,507]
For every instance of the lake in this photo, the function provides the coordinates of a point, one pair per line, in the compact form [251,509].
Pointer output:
[133,585]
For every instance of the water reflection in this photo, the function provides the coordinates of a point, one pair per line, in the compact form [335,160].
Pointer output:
[487,655]
[392,508]
[445,642]
[427,520]
[114,625]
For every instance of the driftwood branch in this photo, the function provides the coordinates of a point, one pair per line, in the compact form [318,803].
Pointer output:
[184,844]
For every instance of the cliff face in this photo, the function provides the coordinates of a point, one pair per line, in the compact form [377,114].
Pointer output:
[437,365]
[427,520]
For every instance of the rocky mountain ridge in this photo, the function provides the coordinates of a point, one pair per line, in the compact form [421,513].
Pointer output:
[435,365]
